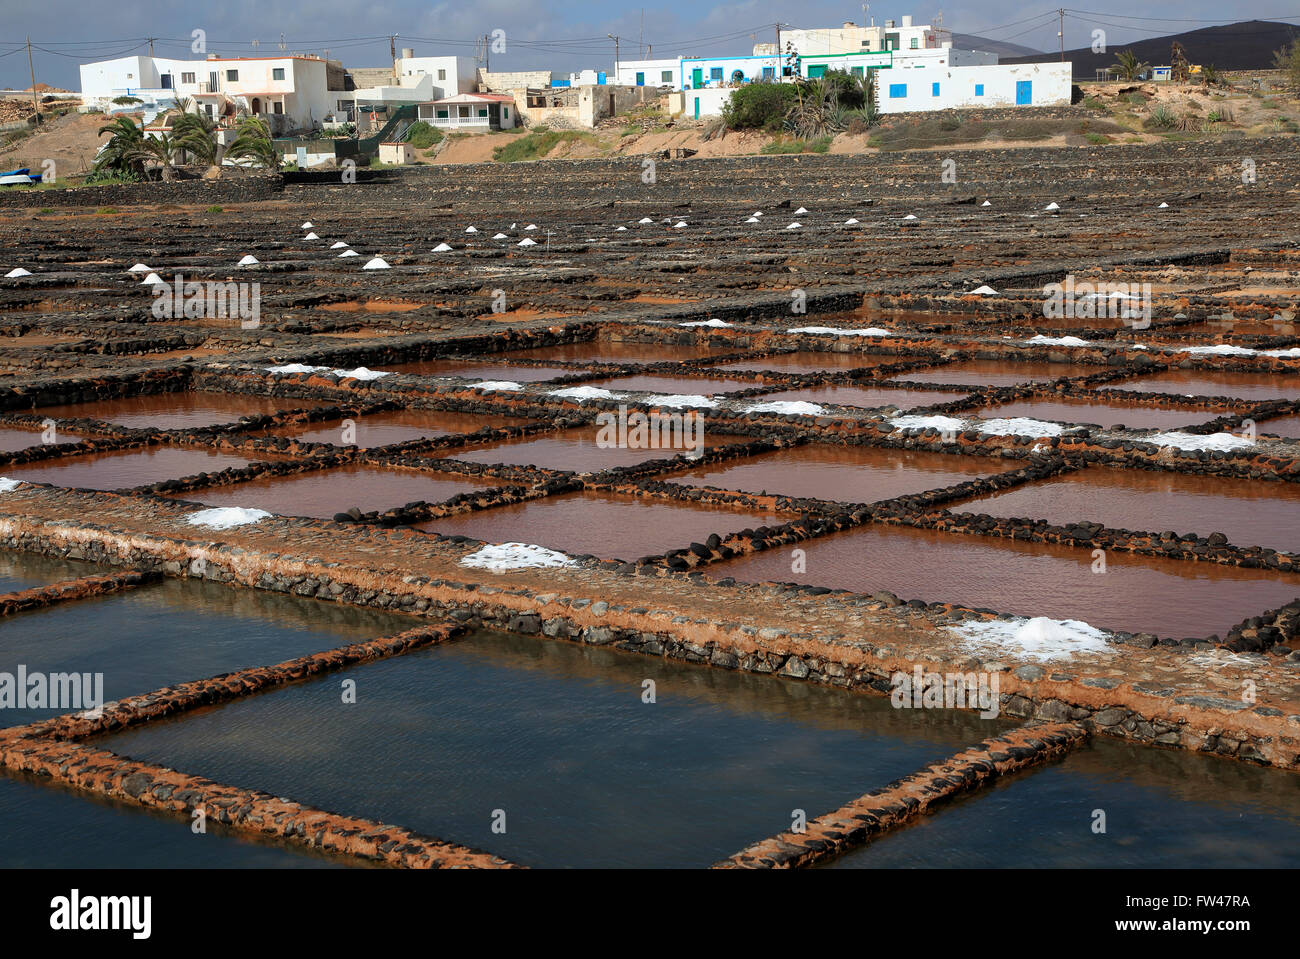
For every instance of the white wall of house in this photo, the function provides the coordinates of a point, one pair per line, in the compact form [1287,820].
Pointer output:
[295,87]
[711,72]
[649,73]
[1000,85]
[850,38]
[447,75]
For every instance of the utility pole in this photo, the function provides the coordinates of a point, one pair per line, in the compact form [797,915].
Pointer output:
[392,53]
[615,39]
[487,54]
[776,68]
[36,110]
[1060,33]
[151,39]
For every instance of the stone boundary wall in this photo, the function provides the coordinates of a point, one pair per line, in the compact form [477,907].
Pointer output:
[236,188]
[83,587]
[903,800]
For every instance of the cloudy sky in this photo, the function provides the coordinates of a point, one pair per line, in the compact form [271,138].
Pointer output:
[563,36]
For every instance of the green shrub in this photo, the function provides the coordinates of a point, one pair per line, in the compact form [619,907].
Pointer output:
[759,106]
[1161,118]
[422,135]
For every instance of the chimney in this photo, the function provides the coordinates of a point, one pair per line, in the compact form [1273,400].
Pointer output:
[907,20]
[407,53]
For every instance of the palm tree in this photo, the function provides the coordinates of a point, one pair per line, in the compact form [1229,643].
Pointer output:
[253,143]
[163,150]
[121,154]
[1210,75]
[196,134]
[1128,66]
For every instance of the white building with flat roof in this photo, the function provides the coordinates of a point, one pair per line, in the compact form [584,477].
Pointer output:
[291,92]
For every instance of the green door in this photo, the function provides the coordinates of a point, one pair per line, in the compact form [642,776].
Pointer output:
[697,108]
[817,71]
[697,77]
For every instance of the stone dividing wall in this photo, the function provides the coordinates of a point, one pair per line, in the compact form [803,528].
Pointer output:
[238,188]
[1147,712]
[49,748]
[83,587]
[903,800]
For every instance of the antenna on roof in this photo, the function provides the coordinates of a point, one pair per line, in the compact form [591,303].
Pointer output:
[282,43]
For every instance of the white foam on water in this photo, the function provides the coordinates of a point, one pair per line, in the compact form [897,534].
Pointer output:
[1039,638]
[1021,426]
[226,517]
[498,386]
[505,556]
[581,393]
[8,485]
[787,407]
[682,399]
[378,263]
[918,421]
[1057,340]
[1190,441]
[1293,351]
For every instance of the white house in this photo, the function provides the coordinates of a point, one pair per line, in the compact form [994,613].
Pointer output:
[700,73]
[999,85]
[649,73]
[471,112]
[851,38]
[291,92]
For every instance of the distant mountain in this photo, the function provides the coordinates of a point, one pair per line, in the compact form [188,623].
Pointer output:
[969,41]
[1248,45]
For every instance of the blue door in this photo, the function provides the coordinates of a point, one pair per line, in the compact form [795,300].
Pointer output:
[1024,92]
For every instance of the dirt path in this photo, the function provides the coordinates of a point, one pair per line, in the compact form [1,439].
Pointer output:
[70,141]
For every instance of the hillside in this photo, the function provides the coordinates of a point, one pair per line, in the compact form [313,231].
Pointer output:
[969,41]
[1236,46]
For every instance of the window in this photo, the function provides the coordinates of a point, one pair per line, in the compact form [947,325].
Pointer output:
[979,89]
[442,114]
[915,43]
[277,73]
[897,91]
[666,76]
[505,113]
[640,79]
[737,76]
[715,73]
[769,73]
[934,89]
[187,78]
[442,74]
[277,108]
[857,71]
[817,71]
[344,104]
[232,76]
[482,111]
